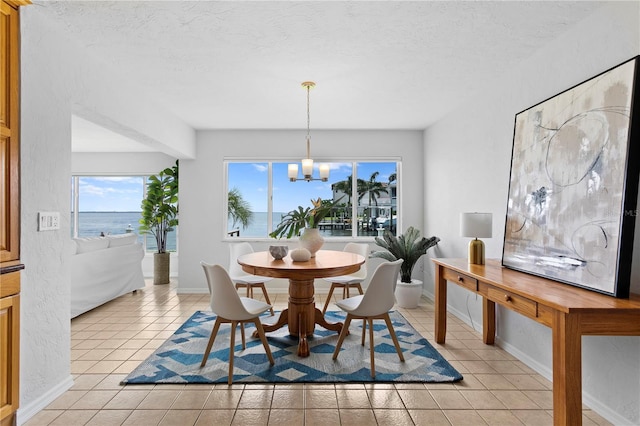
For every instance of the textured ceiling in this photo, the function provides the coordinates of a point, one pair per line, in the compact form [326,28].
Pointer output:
[383,64]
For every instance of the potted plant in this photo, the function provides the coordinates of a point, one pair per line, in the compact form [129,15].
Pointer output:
[409,247]
[306,219]
[160,216]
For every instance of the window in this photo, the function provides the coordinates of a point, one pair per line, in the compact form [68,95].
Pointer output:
[260,193]
[104,205]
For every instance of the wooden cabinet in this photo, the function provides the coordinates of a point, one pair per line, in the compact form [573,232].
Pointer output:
[10,265]
[9,348]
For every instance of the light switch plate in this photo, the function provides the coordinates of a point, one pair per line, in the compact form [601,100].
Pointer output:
[48,221]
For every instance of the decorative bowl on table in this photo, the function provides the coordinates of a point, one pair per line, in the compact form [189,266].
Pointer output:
[278,252]
[300,255]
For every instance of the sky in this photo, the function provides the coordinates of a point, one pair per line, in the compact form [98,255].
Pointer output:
[124,193]
[110,193]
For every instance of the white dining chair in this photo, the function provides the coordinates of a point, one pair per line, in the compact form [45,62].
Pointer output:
[231,308]
[240,277]
[374,304]
[352,280]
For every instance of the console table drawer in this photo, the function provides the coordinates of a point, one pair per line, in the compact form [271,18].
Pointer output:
[512,301]
[461,279]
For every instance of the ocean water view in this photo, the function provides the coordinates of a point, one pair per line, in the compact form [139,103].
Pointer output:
[258,226]
[93,224]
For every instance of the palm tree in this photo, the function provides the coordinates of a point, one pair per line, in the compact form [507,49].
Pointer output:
[373,188]
[239,210]
[346,187]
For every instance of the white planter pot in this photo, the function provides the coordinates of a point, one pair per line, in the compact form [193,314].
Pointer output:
[408,294]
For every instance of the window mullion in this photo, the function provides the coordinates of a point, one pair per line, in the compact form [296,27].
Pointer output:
[354,200]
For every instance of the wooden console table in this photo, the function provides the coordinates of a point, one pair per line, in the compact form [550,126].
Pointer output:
[570,311]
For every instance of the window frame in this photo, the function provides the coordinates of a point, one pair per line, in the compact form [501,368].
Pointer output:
[75,204]
[354,205]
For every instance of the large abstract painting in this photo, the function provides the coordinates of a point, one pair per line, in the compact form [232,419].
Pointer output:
[573,188]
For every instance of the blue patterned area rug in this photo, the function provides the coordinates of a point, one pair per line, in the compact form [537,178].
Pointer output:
[178,359]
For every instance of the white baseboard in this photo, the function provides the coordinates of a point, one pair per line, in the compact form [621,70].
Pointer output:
[546,372]
[29,410]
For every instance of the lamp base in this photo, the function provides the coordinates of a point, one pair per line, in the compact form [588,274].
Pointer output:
[476,252]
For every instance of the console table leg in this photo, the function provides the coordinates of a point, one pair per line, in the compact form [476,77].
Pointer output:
[567,369]
[488,321]
[440,305]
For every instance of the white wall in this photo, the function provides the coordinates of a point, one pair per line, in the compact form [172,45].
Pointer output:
[119,163]
[467,157]
[202,183]
[58,80]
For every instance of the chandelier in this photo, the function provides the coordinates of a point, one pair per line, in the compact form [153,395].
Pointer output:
[307,163]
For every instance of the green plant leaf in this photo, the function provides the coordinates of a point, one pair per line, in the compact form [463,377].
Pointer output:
[160,206]
[407,246]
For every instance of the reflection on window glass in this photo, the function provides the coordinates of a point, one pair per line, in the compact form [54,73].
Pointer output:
[366,205]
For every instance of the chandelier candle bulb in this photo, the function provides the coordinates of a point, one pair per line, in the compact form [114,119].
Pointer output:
[307,167]
[293,172]
[324,172]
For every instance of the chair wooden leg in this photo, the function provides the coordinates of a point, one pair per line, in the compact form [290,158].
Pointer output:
[266,297]
[326,304]
[214,332]
[244,346]
[372,348]
[343,334]
[359,287]
[232,344]
[393,336]
[364,330]
[263,338]
[250,291]
[346,286]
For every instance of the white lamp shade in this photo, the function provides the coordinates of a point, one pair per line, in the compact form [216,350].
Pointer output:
[292,171]
[324,171]
[476,225]
[307,166]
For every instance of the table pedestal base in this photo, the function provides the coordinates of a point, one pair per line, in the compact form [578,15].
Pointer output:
[302,315]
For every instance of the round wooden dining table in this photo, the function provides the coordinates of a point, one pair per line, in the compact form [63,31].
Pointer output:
[302,315]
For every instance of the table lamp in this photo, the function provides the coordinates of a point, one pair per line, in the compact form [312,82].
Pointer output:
[476,225]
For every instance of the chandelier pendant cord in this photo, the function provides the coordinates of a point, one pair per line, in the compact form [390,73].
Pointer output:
[307,163]
[308,124]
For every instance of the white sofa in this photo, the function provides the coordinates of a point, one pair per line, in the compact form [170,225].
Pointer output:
[103,268]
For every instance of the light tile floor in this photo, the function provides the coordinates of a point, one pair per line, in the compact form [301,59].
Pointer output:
[109,342]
